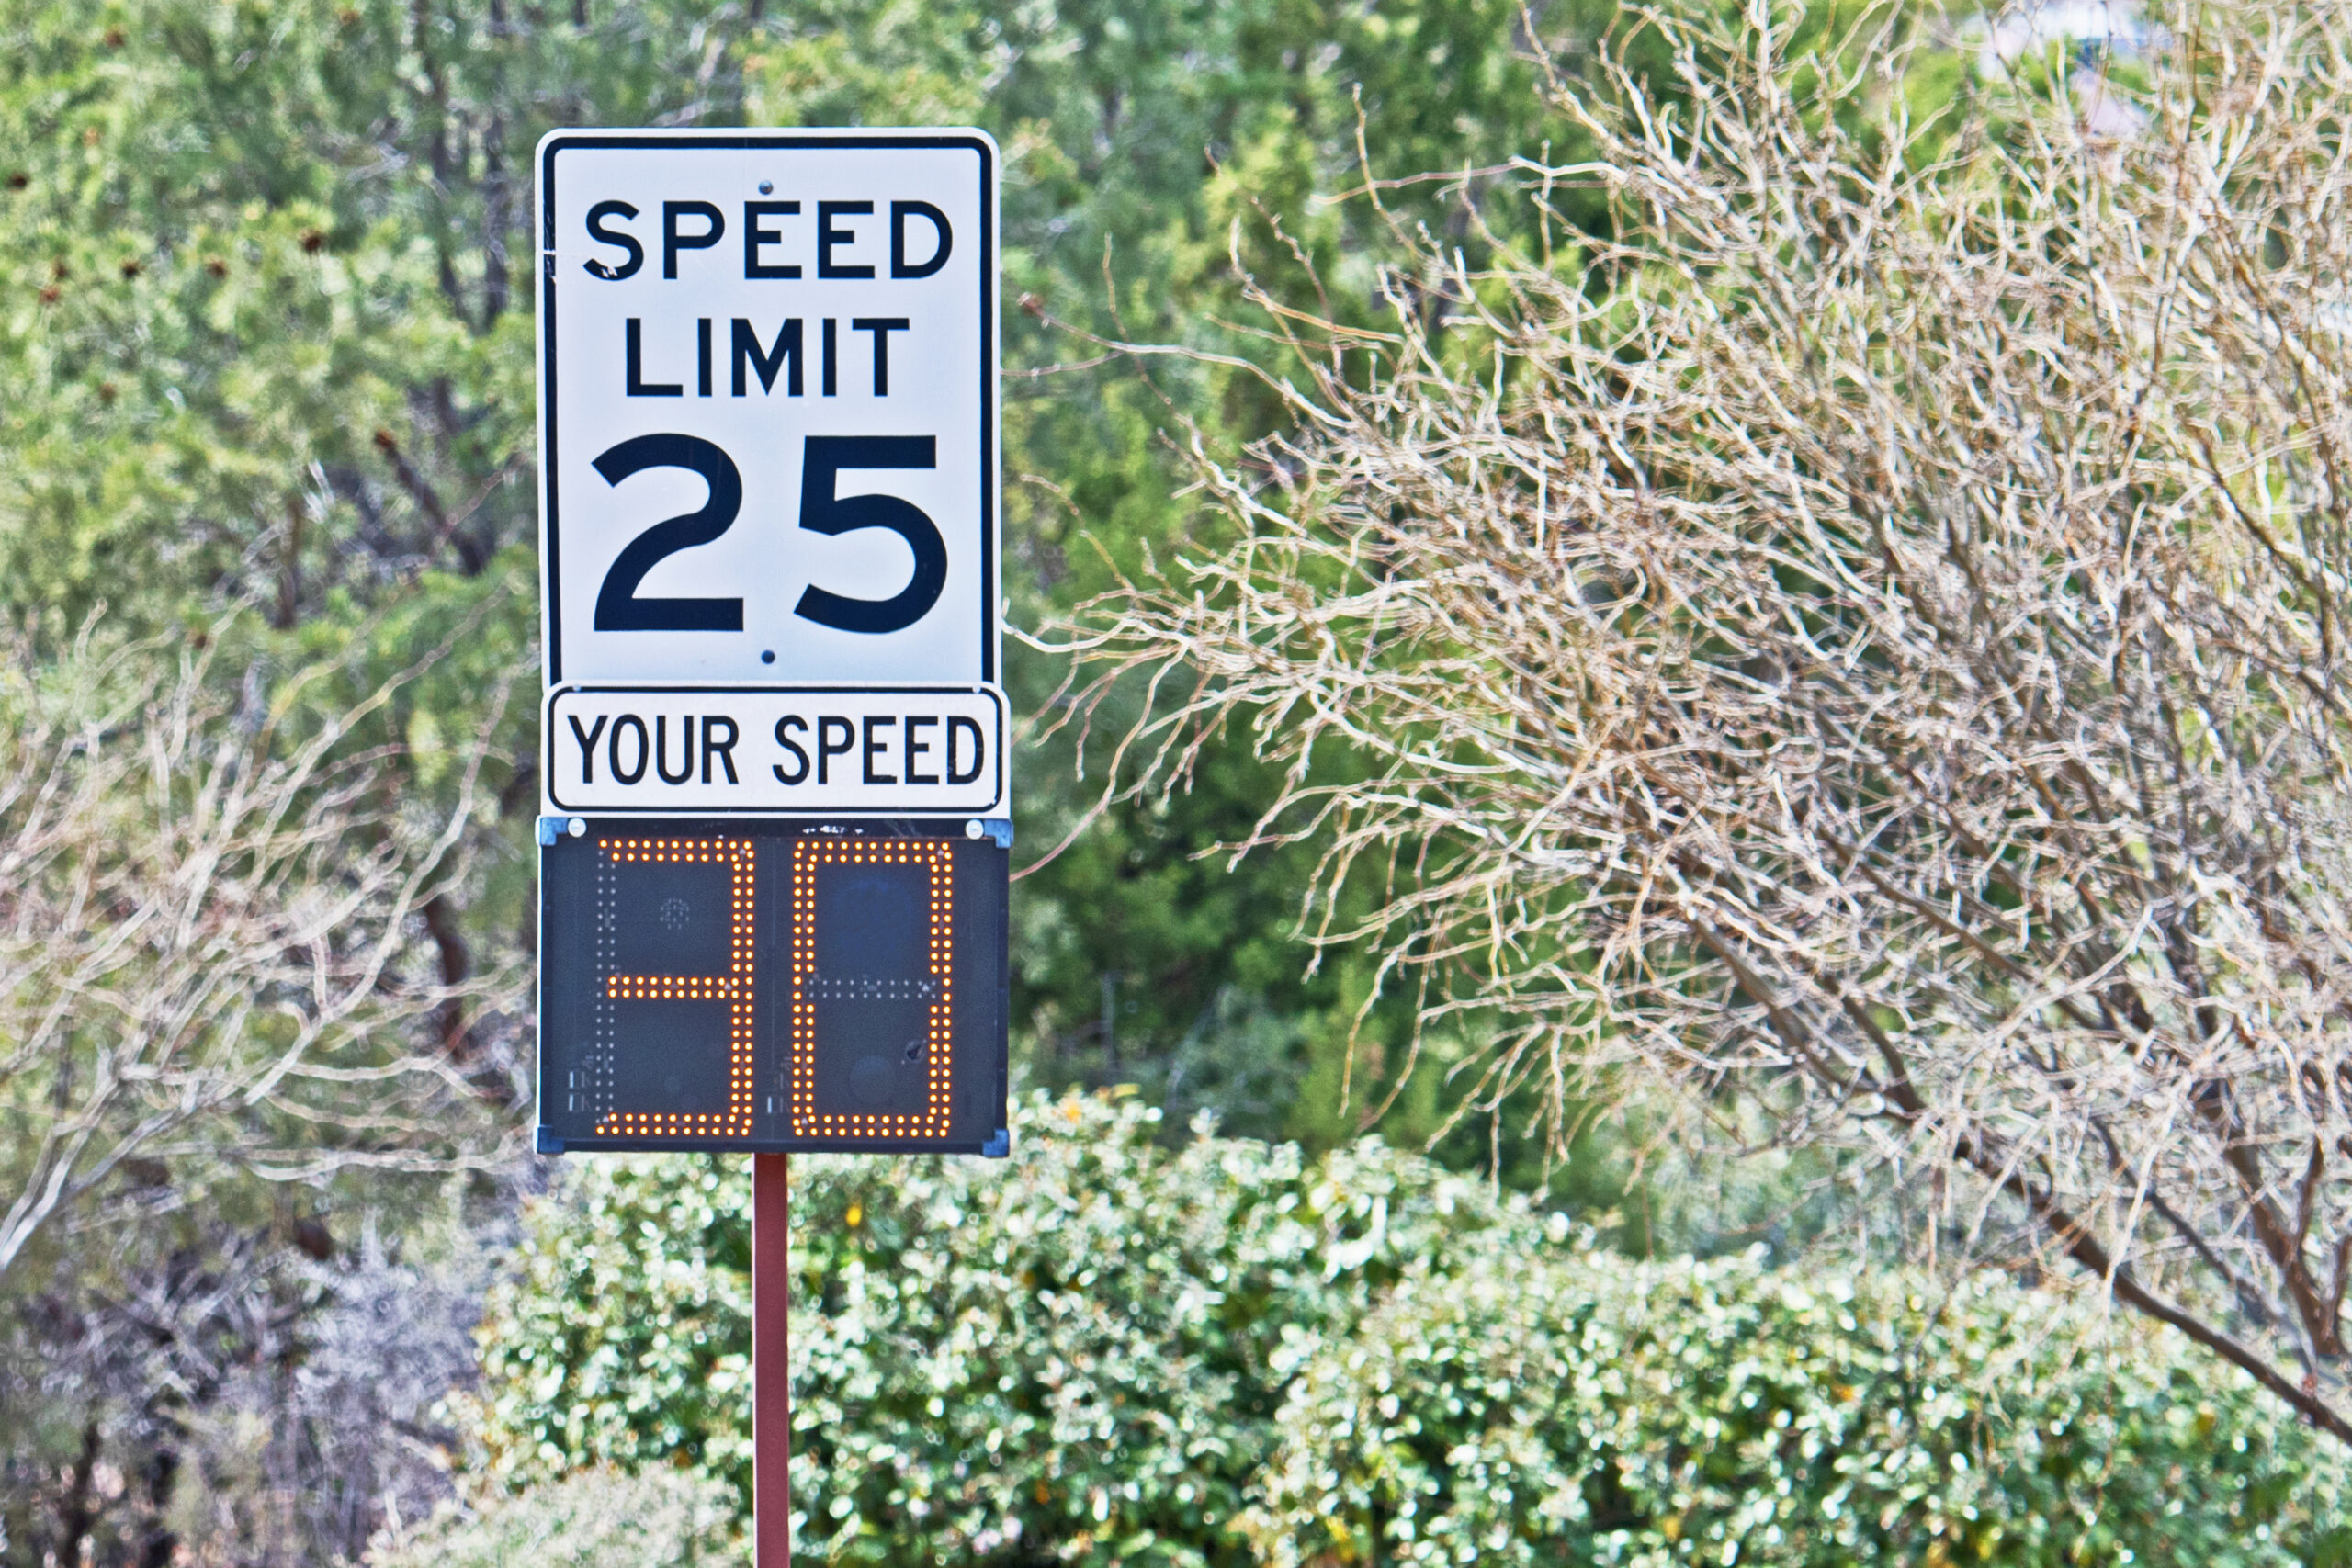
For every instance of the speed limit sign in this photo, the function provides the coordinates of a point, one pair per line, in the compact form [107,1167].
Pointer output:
[768,432]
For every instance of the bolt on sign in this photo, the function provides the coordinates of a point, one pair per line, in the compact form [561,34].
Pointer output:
[775,808]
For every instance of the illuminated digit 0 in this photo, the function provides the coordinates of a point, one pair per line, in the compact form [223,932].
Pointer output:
[935,857]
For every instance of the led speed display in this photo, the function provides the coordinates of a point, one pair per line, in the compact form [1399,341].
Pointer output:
[707,986]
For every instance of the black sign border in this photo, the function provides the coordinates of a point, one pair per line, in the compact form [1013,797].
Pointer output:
[744,141]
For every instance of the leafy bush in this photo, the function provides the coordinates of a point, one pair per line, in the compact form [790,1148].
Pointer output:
[594,1518]
[1594,1410]
[1226,1352]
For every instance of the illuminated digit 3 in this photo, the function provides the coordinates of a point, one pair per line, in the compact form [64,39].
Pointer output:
[733,987]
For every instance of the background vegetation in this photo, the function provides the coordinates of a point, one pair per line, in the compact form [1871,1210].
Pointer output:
[1228,1352]
[266,581]
[1850,661]
[268,417]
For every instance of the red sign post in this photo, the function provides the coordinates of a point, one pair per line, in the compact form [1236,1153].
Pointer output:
[771,1360]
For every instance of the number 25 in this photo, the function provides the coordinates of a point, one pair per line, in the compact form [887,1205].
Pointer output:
[619,609]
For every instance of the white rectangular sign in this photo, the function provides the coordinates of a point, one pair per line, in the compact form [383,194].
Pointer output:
[768,416]
[913,751]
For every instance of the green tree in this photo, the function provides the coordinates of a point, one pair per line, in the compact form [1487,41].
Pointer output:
[269,340]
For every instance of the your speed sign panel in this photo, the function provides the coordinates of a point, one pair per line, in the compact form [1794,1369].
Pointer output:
[768,408]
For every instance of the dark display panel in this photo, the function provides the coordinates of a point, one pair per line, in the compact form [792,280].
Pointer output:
[711,987]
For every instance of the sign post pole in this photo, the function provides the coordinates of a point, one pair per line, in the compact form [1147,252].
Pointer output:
[771,1364]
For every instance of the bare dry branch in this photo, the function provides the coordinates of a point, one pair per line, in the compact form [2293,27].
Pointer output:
[211,933]
[1864,641]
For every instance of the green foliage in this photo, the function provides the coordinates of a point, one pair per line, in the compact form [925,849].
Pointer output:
[266,334]
[1524,1411]
[264,339]
[594,1518]
[1228,1352]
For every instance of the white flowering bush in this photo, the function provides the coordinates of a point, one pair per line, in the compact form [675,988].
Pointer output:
[592,1518]
[1225,1352]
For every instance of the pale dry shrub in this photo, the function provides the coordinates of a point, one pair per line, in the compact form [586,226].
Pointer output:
[591,1519]
[1856,657]
[214,953]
